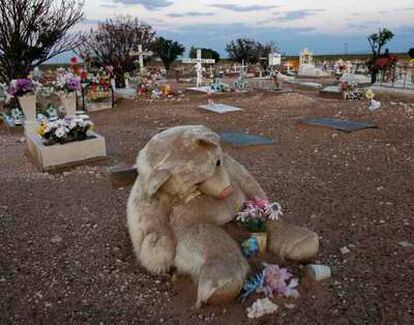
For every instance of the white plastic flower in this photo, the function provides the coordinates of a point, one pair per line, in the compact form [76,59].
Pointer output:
[61,132]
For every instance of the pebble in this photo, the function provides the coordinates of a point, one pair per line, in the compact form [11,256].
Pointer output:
[56,239]
[344,250]
[405,244]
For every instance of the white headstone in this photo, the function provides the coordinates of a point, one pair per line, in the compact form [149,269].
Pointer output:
[275,59]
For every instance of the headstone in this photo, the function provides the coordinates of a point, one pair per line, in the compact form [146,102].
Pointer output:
[199,66]
[274,59]
[307,67]
[338,124]
[244,139]
[141,54]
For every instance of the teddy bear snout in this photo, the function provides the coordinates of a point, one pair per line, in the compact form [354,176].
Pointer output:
[226,193]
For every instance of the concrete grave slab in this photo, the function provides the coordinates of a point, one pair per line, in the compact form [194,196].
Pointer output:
[204,89]
[310,85]
[220,108]
[338,124]
[122,174]
[243,139]
[64,155]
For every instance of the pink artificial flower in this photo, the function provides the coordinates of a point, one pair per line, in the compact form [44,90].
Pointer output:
[275,281]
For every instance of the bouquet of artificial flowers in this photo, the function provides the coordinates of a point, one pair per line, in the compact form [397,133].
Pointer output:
[21,87]
[67,82]
[254,214]
[64,130]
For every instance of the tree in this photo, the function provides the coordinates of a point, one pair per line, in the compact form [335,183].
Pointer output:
[34,31]
[205,54]
[167,50]
[243,49]
[249,50]
[411,52]
[112,42]
[377,41]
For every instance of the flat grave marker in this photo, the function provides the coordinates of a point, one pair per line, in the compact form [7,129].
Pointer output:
[240,139]
[220,108]
[338,124]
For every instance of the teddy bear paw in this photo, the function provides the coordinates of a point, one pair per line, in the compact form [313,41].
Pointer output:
[157,253]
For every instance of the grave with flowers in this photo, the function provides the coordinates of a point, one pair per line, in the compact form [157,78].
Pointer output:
[62,138]
[97,91]
[64,142]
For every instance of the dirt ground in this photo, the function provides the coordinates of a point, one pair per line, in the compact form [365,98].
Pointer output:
[65,255]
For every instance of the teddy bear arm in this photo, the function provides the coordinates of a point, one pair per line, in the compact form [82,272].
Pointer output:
[152,237]
[243,179]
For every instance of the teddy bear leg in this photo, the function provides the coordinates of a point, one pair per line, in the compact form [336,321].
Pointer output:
[291,242]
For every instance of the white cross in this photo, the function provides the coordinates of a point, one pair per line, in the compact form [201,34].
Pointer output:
[241,68]
[140,53]
[199,68]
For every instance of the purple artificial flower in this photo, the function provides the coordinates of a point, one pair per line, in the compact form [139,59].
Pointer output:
[73,83]
[20,87]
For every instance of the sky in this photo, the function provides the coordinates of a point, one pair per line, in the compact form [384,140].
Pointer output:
[324,26]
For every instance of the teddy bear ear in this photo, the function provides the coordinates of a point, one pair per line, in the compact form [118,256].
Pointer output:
[206,142]
[157,179]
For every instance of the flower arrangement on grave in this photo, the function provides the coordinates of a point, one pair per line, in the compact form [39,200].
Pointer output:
[64,130]
[98,87]
[67,82]
[21,87]
[253,216]
[271,280]
[25,90]
[74,65]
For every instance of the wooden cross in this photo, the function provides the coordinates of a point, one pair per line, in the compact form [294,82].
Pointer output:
[141,54]
[199,68]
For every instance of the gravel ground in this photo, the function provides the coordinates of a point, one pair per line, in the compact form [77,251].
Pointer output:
[65,255]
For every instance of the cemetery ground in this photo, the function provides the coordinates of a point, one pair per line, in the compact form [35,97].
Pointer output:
[66,255]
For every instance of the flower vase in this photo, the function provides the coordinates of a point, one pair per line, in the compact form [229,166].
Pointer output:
[69,103]
[261,238]
[28,106]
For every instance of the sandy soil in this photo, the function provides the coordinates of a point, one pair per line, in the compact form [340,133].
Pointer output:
[65,255]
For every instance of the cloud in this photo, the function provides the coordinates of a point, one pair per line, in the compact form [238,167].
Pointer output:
[370,24]
[234,7]
[147,4]
[191,14]
[297,14]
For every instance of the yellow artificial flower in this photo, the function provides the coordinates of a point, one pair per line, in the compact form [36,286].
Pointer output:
[41,129]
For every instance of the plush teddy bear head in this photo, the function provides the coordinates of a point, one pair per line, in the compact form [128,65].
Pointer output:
[183,162]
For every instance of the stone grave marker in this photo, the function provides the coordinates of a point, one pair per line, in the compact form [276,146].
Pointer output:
[338,124]
[220,108]
[244,139]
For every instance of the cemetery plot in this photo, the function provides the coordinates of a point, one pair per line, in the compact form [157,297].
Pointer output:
[63,155]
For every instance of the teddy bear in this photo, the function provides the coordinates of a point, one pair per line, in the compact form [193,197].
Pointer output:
[186,190]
